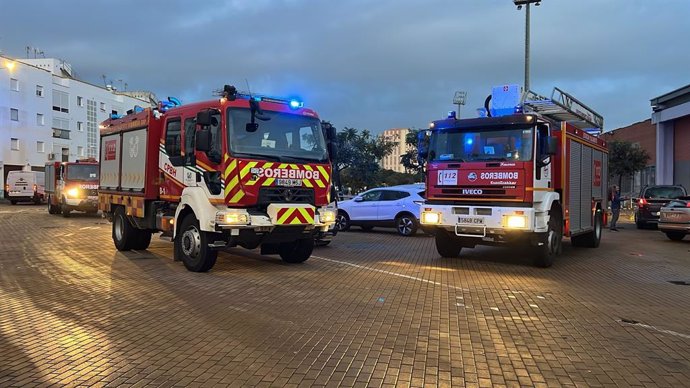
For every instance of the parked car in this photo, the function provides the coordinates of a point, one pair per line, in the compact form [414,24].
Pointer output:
[674,219]
[395,206]
[652,199]
[25,186]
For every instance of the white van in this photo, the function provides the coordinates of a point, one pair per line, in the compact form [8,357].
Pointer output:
[25,186]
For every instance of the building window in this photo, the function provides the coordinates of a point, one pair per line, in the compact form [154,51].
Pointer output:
[80,151]
[39,91]
[40,146]
[80,101]
[60,101]
[80,126]
[102,106]
[60,128]
[14,84]
[14,144]
[40,120]
[14,114]
[91,128]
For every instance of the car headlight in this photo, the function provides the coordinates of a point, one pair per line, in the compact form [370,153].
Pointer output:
[232,218]
[326,216]
[430,218]
[73,192]
[516,221]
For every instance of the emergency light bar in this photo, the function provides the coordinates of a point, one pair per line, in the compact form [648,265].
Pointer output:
[231,93]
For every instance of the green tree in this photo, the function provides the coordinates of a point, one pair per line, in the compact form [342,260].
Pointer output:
[409,158]
[625,159]
[394,178]
[358,156]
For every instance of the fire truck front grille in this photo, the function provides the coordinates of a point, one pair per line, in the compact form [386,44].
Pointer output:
[270,195]
[92,192]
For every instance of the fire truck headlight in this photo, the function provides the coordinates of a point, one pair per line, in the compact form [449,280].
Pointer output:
[430,218]
[73,192]
[327,216]
[516,221]
[232,218]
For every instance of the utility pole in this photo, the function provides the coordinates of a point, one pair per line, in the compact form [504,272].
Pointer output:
[519,4]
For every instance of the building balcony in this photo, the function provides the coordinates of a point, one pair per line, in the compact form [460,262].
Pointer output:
[61,133]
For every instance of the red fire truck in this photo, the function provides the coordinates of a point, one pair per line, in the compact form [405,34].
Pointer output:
[72,186]
[530,173]
[243,170]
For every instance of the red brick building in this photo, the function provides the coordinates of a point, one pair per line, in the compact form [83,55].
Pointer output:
[642,134]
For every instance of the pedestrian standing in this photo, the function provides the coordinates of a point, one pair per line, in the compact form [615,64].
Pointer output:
[615,198]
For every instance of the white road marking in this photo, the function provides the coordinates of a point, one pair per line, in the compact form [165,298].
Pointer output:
[650,327]
[389,273]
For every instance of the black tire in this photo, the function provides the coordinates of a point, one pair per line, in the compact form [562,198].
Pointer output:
[142,240]
[13,202]
[406,225]
[64,210]
[552,245]
[321,243]
[124,234]
[342,222]
[446,245]
[367,228]
[51,208]
[191,244]
[675,236]
[296,252]
[591,239]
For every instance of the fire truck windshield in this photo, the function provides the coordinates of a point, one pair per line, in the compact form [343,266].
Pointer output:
[82,172]
[482,144]
[284,137]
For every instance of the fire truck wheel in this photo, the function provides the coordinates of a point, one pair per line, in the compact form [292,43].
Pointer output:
[52,209]
[553,242]
[192,244]
[446,245]
[64,209]
[406,225]
[342,222]
[13,202]
[142,240]
[296,252]
[123,231]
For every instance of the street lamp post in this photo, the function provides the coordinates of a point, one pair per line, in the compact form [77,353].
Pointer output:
[519,4]
[459,99]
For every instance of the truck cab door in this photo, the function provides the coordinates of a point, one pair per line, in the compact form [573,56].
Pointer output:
[542,163]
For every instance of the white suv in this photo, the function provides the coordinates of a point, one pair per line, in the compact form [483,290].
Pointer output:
[395,206]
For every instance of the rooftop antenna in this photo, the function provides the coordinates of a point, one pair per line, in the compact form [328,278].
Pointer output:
[105,84]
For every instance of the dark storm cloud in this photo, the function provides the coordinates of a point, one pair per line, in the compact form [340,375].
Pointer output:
[367,64]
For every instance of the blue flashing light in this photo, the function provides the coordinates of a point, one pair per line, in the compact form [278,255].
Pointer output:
[115,116]
[138,109]
[469,141]
[295,104]
[175,101]
[452,115]
[518,109]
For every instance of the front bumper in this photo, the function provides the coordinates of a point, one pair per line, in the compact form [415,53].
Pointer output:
[674,227]
[90,203]
[482,221]
[276,216]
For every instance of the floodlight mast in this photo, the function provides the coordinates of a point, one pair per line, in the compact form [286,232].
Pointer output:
[459,99]
[519,4]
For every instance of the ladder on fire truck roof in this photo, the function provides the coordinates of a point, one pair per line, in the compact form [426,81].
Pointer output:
[564,107]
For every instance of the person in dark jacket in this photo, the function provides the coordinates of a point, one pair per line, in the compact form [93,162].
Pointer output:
[615,198]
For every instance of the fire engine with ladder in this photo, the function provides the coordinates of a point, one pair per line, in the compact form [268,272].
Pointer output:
[528,174]
[242,170]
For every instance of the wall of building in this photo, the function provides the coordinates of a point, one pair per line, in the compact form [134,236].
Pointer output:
[642,134]
[47,116]
[392,161]
[681,151]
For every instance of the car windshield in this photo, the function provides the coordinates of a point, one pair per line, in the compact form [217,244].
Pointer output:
[663,192]
[468,145]
[83,172]
[284,137]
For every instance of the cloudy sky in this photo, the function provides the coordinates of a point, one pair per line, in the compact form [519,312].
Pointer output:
[363,63]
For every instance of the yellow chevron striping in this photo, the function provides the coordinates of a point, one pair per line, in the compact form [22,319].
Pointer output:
[285,216]
[323,172]
[268,182]
[307,183]
[236,198]
[246,169]
[307,216]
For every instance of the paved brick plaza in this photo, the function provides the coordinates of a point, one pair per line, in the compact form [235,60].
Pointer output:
[372,309]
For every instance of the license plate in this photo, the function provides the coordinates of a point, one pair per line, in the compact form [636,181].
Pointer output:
[671,216]
[471,220]
[289,182]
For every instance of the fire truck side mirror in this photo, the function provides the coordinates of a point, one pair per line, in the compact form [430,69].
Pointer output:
[422,145]
[332,151]
[552,145]
[204,117]
[203,140]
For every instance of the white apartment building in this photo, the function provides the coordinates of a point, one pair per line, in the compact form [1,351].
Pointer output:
[392,161]
[47,115]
